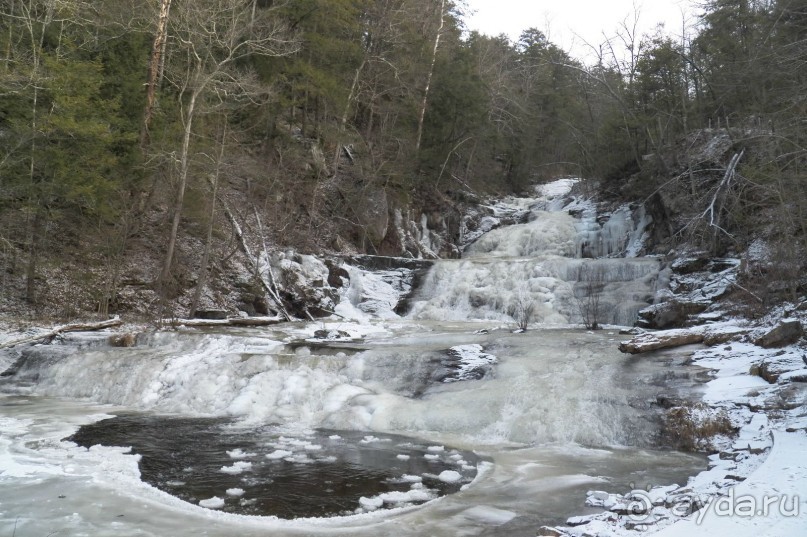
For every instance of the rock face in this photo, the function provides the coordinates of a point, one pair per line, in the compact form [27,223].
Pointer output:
[303,283]
[465,362]
[374,211]
[697,284]
[787,332]
[672,314]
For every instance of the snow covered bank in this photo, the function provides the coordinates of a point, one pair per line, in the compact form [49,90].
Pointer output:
[756,482]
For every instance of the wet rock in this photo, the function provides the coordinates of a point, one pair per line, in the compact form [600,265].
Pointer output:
[331,334]
[465,362]
[337,274]
[787,332]
[123,340]
[546,531]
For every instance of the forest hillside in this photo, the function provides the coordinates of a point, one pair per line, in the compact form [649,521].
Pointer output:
[154,155]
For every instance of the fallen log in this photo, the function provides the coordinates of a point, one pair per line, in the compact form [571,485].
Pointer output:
[235,321]
[661,340]
[653,341]
[75,327]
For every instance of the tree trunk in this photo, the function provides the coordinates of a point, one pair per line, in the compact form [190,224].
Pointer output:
[33,257]
[424,102]
[183,180]
[200,285]
[346,112]
[155,69]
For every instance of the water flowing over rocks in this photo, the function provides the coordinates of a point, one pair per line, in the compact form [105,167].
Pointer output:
[570,262]
[398,355]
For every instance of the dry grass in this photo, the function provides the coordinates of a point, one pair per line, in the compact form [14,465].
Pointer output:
[695,427]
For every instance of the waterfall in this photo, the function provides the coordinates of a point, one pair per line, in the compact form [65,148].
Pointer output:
[565,256]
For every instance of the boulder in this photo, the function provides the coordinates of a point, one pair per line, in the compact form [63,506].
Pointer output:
[672,314]
[787,332]
[337,274]
[331,334]
[774,367]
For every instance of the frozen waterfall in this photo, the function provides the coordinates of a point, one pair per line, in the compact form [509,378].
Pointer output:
[560,260]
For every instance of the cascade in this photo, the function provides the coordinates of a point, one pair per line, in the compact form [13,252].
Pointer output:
[561,261]
[395,414]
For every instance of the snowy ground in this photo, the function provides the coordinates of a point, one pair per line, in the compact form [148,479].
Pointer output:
[756,484]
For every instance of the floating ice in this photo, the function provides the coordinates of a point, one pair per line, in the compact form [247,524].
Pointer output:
[371,504]
[235,492]
[449,476]
[212,503]
[238,453]
[237,468]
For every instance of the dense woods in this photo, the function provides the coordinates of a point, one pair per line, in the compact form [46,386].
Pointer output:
[129,129]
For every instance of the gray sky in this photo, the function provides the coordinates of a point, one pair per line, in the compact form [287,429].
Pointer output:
[572,23]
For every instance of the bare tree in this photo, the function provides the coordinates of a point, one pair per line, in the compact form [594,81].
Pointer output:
[210,38]
[522,308]
[588,294]
[156,63]
[430,75]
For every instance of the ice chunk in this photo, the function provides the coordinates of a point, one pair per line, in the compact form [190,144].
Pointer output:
[278,454]
[371,504]
[237,468]
[449,476]
[238,453]
[212,503]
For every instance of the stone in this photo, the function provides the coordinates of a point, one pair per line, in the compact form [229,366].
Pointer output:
[735,477]
[671,314]
[775,366]
[546,531]
[579,520]
[331,334]
[337,274]
[787,332]
[123,340]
